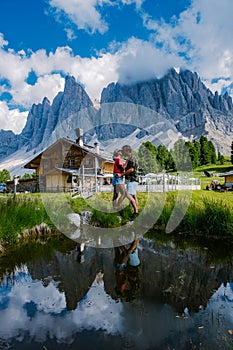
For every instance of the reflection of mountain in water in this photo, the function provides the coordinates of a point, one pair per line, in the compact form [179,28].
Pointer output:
[179,278]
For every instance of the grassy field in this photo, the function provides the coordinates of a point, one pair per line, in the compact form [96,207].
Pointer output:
[208,212]
[225,197]
[26,211]
[214,170]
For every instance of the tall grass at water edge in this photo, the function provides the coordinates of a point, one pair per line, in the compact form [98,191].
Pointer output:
[29,210]
[20,213]
[207,216]
[205,213]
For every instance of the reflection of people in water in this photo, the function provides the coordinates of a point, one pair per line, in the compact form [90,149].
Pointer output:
[80,255]
[127,273]
[120,265]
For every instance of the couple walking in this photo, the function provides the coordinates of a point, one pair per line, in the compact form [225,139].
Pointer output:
[127,169]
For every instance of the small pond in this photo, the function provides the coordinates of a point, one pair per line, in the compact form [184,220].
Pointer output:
[179,297]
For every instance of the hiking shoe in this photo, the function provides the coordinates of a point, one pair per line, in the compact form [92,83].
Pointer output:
[134,216]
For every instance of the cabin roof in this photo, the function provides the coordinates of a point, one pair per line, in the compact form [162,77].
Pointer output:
[106,156]
[69,171]
[78,172]
[91,149]
[228,173]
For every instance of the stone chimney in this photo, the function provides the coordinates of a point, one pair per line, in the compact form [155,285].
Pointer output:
[97,147]
[79,134]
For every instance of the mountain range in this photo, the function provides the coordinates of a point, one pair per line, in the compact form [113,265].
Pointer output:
[159,110]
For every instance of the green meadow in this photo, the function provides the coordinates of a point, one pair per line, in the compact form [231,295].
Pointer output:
[213,169]
[207,213]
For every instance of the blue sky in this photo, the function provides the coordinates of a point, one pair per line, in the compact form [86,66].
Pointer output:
[101,41]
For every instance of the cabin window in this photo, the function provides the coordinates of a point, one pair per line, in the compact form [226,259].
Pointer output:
[72,162]
[88,161]
[46,166]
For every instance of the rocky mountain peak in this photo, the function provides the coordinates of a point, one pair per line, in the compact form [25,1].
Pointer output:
[179,98]
[183,98]
[44,117]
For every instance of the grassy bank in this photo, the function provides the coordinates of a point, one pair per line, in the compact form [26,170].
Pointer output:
[207,213]
[213,169]
[27,211]
[23,212]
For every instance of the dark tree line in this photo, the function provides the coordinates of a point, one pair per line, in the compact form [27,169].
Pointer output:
[184,156]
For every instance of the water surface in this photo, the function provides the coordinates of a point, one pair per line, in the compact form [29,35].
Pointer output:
[177,298]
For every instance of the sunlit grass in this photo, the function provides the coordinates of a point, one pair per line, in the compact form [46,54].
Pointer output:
[208,212]
[17,214]
[213,169]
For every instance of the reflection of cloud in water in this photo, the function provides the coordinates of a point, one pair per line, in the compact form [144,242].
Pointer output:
[48,302]
[227,294]
[231,287]
[221,303]
[38,311]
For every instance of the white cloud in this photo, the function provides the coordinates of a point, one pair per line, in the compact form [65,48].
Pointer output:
[128,62]
[202,34]
[218,85]
[140,60]
[70,34]
[86,15]
[3,42]
[13,66]
[94,73]
[200,38]
[137,2]
[82,13]
[47,85]
[11,119]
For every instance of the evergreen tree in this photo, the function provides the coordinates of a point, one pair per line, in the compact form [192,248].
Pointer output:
[208,152]
[29,176]
[147,158]
[213,157]
[170,164]
[221,158]
[194,153]
[162,157]
[205,151]
[4,176]
[197,146]
[181,156]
